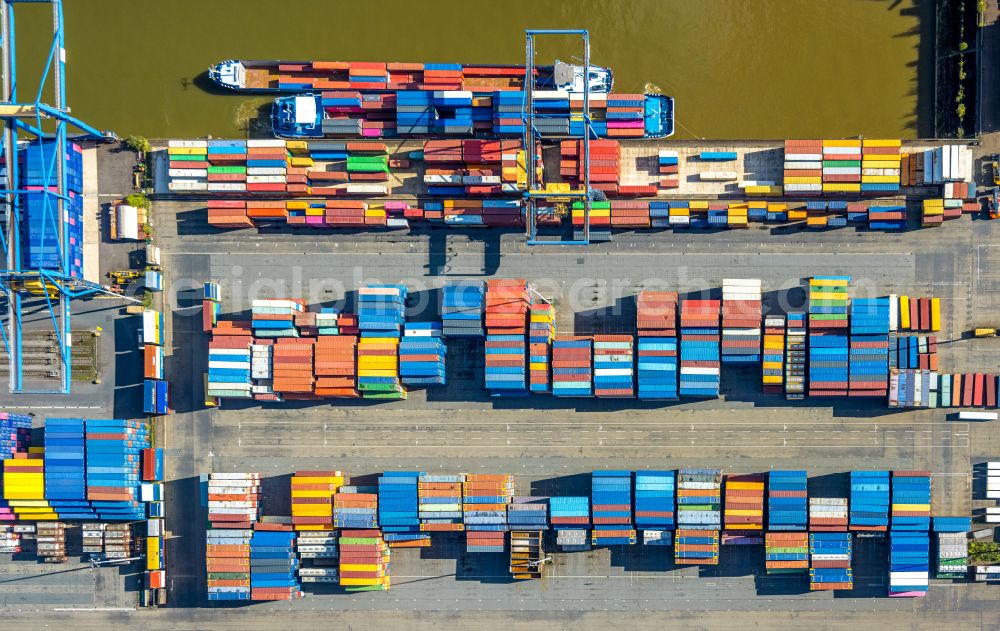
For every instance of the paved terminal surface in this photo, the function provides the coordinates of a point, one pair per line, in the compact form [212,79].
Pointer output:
[550,444]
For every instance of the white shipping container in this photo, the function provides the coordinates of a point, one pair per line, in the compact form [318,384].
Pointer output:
[266,171]
[266,142]
[842,150]
[717,176]
[357,188]
[229,187]
[803,188]
[187,144]
[187,185]
[689,370]
[187,173]
[803,157]
[265,179]
[810,165]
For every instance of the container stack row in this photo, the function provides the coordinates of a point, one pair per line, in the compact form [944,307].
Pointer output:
[541,333]
[422,354]
[744,509]
[474,168]
[528,513]
[611,503]
[830,561]
[919,314]
[741,321]
[381,314]
[399,509]
[880,166]
[654,505]
[462,305]
[909,564]
[787,501]
[570,518]
[353,508]
[484,505]
[605,163]
[828,514]
[700,348]
[572,366]
[364,560]
[952,534]
[911,501]
[656,329]
[275,167]
[795,356]
[786,552]
[507,305]
[914,352]
[699,516]
[233,504]
[869,344]
[613,366]
[828,340]
[312,499]
[440,502]
[803,169]
[273,563]
[773,366]
[869,501]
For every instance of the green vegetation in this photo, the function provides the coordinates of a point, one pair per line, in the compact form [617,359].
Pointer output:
[138,144]
[139,200]
[987,552]
[147,299]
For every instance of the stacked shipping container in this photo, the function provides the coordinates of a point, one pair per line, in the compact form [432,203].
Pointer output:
[656,328]
[700,340]
[828,342]
[611,502]
[787,501]
[741,319]
[869,501]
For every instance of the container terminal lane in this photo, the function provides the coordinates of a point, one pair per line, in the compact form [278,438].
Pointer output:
[548,442]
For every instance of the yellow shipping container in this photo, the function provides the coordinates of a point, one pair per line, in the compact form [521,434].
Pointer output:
[795,179]
[745,486]
[310,493]
[769,379]
[880,179]
[187,151]
[936,314]
[680,212]
[152,553]
[741,512]
[361,582]
[376,373]
[361,567]
[794,215]
[301,162]
[296,145]
[912,508]
[295,204]
[841,187]
[904,312]
[698,205]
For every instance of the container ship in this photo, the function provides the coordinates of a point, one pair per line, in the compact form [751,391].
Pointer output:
[467,113]
[306,76]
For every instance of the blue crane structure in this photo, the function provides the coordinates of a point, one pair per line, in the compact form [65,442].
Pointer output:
[22,121]
[535,192]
